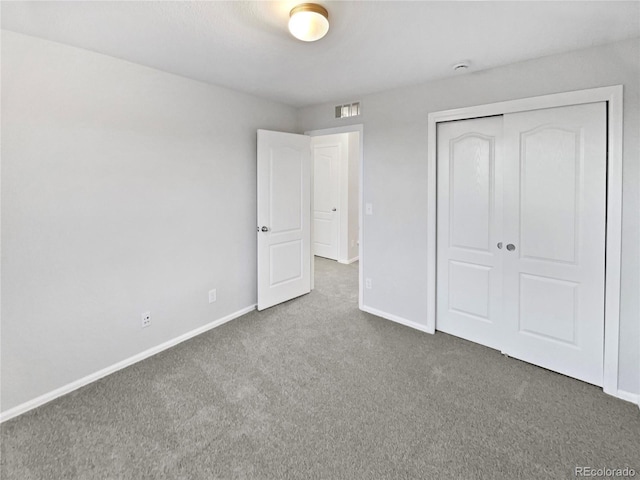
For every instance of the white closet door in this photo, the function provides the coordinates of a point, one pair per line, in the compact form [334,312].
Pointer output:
[469,276]
[554,234]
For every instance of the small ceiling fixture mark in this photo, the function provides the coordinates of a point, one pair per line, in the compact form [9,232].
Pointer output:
[461,66]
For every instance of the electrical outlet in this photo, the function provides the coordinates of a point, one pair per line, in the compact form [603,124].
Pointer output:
[368,283]
[146,319]
[368,208]
[212,296]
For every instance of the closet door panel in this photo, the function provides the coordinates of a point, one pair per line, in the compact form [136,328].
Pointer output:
[469,224]
[555,203]
[550,169]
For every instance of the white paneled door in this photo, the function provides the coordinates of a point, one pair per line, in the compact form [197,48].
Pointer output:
[554,236]
[521,235]
[284,217]
[469,274]
[326,198]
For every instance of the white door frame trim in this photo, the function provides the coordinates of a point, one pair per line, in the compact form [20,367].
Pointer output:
[613,96]
[348,129]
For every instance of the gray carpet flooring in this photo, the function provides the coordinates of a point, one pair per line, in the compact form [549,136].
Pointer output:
[316,389]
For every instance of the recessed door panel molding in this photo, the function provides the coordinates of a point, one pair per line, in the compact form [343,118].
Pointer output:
[285,190]
[551,166]
[469,229]
[286,262]
[284,217]
[471,191]
[324,173]
[323,232]
[469,290]
[548,308]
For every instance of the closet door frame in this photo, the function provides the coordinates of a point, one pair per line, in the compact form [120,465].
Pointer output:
[613,97]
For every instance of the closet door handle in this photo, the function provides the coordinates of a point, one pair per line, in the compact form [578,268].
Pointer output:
[511,247]
[499,245]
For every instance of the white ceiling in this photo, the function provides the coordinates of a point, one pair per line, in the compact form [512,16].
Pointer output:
[371,46]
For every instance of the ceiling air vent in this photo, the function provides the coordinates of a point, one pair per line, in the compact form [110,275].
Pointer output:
[348,110]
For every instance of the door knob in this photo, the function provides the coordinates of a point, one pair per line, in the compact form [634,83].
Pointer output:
[265,229]
[499,245]
[333,209]
[511,247]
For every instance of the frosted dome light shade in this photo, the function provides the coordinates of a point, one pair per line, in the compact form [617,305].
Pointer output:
[309,22]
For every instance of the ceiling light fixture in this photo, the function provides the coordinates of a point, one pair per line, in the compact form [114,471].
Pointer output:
[308,22]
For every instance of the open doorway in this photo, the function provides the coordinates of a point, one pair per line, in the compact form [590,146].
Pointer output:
[336,200]
[285,256]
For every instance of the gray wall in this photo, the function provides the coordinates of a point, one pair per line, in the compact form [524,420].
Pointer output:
[395,172]
[124,189]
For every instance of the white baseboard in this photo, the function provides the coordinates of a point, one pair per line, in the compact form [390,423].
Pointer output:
[621,394]
[395,318]
[351,260]
[628,396]
[70,387]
